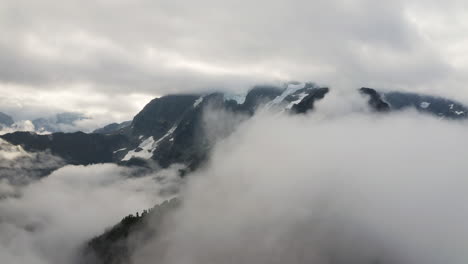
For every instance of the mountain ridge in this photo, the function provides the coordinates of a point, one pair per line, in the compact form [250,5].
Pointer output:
[169,129]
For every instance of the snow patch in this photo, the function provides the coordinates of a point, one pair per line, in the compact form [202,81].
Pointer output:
[459,112]
[292,88]
[148,146]
[168,134]
[120,150]
[198,101]
[145,153]
[239,98]
[425,105]
[301,97]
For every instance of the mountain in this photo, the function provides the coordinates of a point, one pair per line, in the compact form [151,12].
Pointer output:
[442,107]
[5,120]
[112,128]
[170,129]
[58,123]
[75,148]
[18,167]
[61,122]
[375,100]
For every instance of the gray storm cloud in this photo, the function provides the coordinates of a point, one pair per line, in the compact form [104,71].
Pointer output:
[324,188]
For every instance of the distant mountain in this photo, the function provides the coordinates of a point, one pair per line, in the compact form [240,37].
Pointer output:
[5,120]
[62,122]
[442,107]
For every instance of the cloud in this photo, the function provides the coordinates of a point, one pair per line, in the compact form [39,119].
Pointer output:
[48,221]
[19,167]
[151,48]
[325,188]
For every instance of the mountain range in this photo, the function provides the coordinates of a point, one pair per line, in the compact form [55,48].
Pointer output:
[170,130]
[60,122]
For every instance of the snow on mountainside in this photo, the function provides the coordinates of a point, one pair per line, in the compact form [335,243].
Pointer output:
[282,99]
[442,107]
[170,129]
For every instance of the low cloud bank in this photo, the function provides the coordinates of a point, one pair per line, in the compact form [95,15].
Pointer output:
[325,188]
[48,221]
[18,167]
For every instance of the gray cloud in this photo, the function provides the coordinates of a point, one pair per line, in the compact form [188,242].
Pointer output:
[158,47]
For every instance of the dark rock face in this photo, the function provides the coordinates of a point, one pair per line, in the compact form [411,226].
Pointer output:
[6,120]
[75,148]
[425,103]
[161,114]
[259,95]
[308,102]
[394,101]
[187,143]
[375,100]
[112,128]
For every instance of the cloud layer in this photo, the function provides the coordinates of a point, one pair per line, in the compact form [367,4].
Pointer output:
[93,52]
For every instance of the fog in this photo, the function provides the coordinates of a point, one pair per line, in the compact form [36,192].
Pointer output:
[18,167]
[325,188]
[338,185]
[48,221]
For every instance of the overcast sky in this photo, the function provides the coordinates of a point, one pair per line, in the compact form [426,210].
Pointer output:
[110,57]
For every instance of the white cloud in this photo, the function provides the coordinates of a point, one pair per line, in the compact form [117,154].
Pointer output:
[322,188]
[49,220]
